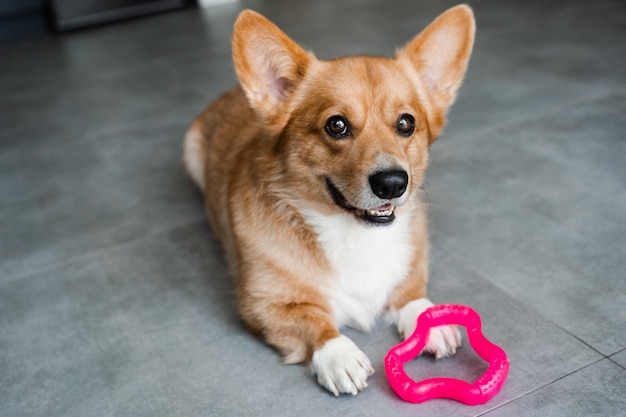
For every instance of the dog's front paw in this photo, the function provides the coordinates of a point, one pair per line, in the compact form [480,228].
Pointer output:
[442,340]
[341,367]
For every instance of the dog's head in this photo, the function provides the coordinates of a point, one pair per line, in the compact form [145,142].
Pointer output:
[353,133]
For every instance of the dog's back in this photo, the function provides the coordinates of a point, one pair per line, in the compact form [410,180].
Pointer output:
[213,150]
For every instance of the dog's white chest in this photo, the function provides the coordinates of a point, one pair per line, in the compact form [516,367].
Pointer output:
[368,262]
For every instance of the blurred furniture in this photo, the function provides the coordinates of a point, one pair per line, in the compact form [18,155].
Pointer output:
[71,14]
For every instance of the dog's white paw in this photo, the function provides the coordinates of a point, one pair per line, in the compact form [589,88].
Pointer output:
[341,367]
[442,340]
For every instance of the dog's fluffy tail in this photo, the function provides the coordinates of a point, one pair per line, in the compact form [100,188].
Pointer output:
[194,155]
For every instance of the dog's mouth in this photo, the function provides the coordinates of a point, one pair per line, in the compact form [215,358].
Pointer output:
[378,216]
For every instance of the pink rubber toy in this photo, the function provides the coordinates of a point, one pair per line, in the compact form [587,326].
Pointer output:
[481,391]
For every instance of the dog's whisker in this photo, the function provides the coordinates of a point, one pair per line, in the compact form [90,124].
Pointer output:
[422,187]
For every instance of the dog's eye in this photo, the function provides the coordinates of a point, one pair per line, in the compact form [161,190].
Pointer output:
[405,125]
[337,127]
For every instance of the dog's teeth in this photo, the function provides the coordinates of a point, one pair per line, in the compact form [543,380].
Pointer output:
[375,212]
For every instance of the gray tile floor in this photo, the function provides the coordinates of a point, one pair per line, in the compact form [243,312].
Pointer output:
[114,297]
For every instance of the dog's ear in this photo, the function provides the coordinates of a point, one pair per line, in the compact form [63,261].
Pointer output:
[440,54]
[269,65]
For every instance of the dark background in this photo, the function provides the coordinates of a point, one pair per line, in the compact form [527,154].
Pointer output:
[27,17]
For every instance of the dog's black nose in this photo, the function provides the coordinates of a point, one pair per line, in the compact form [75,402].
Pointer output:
[389,184]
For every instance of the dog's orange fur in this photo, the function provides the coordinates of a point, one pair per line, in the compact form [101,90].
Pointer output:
[264,157]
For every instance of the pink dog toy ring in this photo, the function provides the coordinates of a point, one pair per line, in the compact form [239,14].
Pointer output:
[481,391]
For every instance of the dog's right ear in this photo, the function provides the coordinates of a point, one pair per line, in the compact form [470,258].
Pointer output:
[269,66]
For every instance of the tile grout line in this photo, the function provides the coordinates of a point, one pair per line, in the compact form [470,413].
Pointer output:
[606,356]
[541,387]
[618,364]
[73,258]
[527,306]
[603,356]
[550,110]
[615,363]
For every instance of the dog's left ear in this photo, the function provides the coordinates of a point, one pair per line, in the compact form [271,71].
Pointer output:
[440,54]
[269,66]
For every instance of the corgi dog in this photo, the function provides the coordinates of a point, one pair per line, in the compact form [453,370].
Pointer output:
[312,173]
